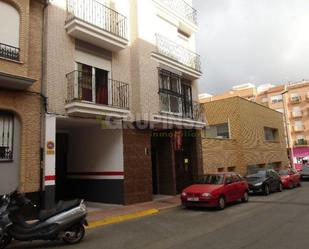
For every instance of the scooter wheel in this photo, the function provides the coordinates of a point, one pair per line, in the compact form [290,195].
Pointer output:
[5,241]
[78,232]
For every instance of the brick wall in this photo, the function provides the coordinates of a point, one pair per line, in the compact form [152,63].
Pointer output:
[247,145]
[137,166]
[27,106]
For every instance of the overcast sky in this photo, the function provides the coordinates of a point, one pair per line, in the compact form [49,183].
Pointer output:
[256,41]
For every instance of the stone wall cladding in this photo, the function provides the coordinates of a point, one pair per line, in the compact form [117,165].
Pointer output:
[137,166]
[27,105]
[247,145]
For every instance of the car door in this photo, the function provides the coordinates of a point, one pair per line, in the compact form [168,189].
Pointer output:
[229,188]
[238,187]
[271,180]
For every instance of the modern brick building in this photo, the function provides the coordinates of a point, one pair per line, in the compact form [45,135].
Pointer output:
[121,81]
[21,104]
[242,136]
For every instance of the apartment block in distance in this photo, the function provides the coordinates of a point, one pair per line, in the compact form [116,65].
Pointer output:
[293,101]
[242,136]
[21,105]
[121,80]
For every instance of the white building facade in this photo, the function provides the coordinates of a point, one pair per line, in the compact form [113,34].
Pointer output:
[121,81]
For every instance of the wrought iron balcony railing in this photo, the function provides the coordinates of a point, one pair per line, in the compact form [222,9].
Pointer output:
[83,86]
[178,53]
[99,15]
[9,52]
[300,142]
[175,105]
[183,9]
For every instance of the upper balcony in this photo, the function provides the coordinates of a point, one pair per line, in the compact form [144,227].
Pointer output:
[295,99]
[95,23]
[180,13]
[178,57]
[12,81]
[91,95]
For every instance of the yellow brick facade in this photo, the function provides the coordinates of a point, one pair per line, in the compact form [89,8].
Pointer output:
[247,144]
[27,104]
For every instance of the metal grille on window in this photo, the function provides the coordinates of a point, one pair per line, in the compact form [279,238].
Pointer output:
[6,136]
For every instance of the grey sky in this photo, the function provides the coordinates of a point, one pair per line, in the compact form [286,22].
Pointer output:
[256,41]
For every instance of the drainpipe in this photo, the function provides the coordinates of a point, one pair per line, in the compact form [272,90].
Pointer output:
[286,121]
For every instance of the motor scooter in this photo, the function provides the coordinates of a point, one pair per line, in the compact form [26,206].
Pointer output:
[66,221]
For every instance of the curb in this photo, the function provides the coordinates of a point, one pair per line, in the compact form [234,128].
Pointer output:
[120,218]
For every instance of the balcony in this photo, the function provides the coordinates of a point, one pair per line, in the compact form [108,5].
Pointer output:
[300,142]
[90,96]
[297,114]
[295,100]
[176,106]
[177,57]
[299,128]
[180,13]
[9,52]
[95,23]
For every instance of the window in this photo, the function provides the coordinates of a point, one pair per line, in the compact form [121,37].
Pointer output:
[231,169]
[93,84]
[264,100]
[175,94]
[300,140]
[220,169]
[296,111]
[295,97]
[6,136]
[271,134]
[9,33]
[298,125]
[276,99]
[217,131]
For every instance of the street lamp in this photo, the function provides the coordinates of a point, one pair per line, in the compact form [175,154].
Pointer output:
[290,144]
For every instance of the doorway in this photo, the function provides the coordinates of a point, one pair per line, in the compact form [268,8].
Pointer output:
[62,192]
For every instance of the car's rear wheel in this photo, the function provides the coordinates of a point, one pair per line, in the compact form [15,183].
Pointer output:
[266,190]
[245,197]
[221,203]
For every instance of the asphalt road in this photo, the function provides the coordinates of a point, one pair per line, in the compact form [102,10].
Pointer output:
[278,221]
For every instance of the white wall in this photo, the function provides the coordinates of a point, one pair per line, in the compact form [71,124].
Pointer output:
[9,22]
[9,171]
[92,149]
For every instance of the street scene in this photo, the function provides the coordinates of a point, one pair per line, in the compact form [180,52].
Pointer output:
[276,221]
[154,124]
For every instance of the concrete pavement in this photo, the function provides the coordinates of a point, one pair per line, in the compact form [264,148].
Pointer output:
[278,221]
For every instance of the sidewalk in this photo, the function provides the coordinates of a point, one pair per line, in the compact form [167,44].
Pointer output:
[104,214]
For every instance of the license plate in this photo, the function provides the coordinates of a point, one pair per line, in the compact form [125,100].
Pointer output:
[193,199]
[305,176]
[251,191]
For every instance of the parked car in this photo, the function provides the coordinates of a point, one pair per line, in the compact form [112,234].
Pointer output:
[216,190]
[304,173]
[289,178]
[264,181]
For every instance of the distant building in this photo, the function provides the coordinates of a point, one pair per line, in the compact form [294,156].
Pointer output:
[247,91]
[242,136]
[291,100]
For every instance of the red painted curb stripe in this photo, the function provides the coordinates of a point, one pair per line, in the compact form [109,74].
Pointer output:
[107,173]
[50,178]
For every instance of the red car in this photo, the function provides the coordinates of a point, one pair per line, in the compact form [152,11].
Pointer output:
[290,178]
[216,190]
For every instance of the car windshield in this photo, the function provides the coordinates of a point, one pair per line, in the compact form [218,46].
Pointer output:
[284,172]
[259,174]
[211,179]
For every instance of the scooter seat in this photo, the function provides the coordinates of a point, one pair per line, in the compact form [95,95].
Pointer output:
[62,206]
